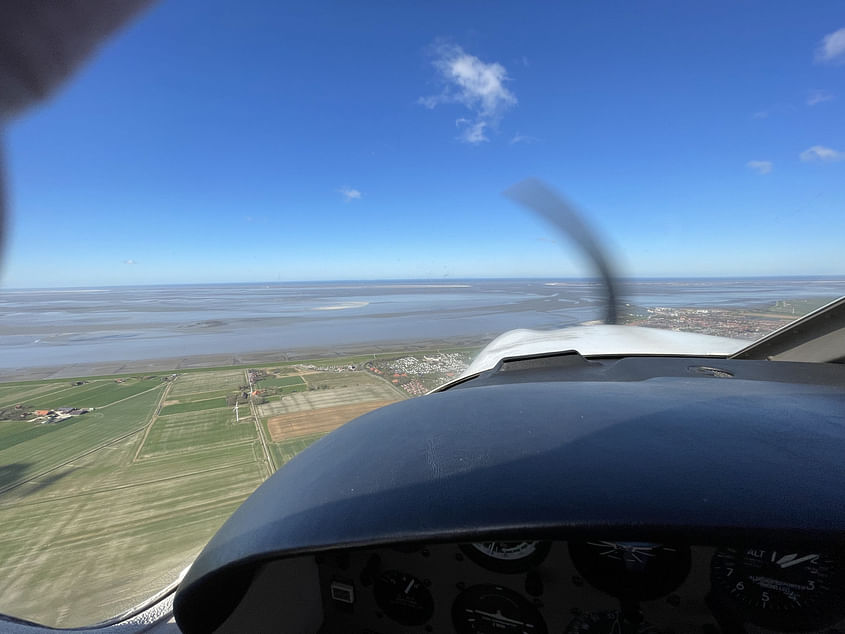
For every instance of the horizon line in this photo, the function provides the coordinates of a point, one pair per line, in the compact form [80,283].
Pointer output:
[438,281]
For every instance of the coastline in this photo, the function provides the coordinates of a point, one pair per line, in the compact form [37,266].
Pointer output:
[219,360]
[60,334]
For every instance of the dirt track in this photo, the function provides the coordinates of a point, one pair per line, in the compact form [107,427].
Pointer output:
[315,421]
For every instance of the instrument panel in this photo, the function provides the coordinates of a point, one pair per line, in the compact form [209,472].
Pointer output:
[581,587]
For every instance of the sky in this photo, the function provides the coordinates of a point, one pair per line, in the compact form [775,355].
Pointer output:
[268,141]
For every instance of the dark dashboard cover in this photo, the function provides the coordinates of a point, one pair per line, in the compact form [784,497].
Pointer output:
[705,459]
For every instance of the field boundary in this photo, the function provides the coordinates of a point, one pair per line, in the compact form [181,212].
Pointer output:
[133,396]
[271,464]
[153,419]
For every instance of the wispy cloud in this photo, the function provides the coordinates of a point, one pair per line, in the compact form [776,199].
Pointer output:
[349,194]
[819,153]
[761,167]
[474,84]
[523,138]
[773,110]
[832,47]
[471,131]
[818,96]
[130,261]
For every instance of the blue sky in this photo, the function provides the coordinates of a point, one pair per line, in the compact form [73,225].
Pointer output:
[261,141]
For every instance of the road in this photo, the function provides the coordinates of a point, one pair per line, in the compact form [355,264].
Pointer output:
[271,464]
[153,418]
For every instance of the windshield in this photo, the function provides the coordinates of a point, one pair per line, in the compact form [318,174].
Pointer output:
[240,226]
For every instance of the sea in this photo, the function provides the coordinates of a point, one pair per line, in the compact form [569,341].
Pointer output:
[72,326]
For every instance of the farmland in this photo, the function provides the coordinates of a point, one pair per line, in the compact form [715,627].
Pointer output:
[323,401]
[129,486]
[126,494]
[322,420]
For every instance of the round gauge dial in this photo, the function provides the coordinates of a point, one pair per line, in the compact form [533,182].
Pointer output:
[781,588]
[638,571]
[507,556]
[489,609]
[610,622]
[403,598]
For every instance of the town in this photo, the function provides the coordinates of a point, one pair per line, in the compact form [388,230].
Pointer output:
[734,323]
[420,375]
[415,375]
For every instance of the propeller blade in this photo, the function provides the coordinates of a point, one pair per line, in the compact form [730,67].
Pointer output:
[540,198]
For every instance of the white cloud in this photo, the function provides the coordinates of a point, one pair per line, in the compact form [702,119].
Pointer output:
[821,153]
[349,194]
[129,261]
[523,138]
[760,114]
[832,47]
[473,131]
[761,167]
[430,102]
[478,86]
[818,96]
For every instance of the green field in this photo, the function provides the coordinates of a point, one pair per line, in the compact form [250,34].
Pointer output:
[95,394]
[98,535]
[35,450]
[281,381]
[194,406]
[102,510]
[188,431]
[120,496]
[10,395]
[198,396]
[288,389]
[284,451]
[216,380]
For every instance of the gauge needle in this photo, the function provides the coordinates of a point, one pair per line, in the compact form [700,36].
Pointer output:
[619,550]
[498,616]
[410,585]
[795,562]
